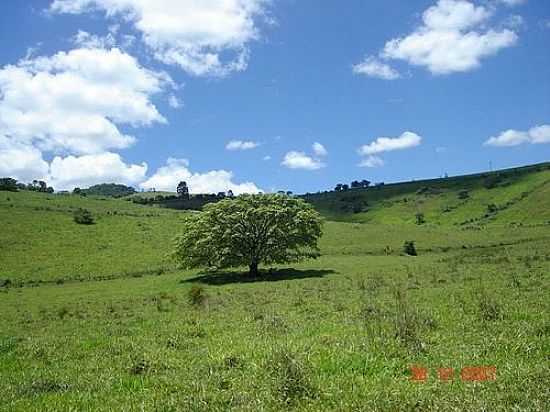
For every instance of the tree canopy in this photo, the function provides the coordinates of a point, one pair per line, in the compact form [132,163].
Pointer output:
[249,230]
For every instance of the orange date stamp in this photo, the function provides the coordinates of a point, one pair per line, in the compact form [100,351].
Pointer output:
[467,374]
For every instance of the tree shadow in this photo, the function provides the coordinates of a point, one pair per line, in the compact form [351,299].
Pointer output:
[226,278]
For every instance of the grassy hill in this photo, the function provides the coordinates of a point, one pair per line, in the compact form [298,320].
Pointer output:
[520,195]
[96,317]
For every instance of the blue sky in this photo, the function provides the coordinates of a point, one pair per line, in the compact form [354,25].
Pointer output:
[150,93]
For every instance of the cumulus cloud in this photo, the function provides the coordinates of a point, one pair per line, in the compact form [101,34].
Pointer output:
[319,149]
[373,67]
[202,37]
[241,145]
[388,144]
[299,160]
[21,161]
[69,172]
[454,37]
[177,170]
[73,102]
[535,135]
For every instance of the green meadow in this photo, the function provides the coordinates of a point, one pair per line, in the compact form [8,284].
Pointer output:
[97,317]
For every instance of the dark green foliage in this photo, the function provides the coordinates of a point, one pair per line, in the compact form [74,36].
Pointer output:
[420,219]
[409,248]
[8,184]
[109,190]
[83,217]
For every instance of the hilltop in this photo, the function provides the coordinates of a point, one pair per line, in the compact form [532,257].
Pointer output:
[519,195]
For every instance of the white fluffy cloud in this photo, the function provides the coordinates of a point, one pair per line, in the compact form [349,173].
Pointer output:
[241,145]
[319,149]
[204,37]
[299,160]
[388,144]
[535,135]
[21,161]
[176,170]
[74,101]
[69,172]
[453,37]
[373,67]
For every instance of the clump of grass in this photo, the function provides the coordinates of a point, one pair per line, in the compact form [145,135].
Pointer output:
[232,362]
[489,308]
[141,366]
[63,312]
[47,385]
[197,296]
[408,322]
[290,376]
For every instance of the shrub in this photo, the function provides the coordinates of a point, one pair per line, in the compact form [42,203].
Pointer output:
[409,248]
[197,296]
[420,219]
[463,195]
[83,217]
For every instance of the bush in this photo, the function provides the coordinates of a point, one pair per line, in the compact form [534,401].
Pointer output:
[409,248]
[463,195]
[83,217]
[420,219]
[197,296]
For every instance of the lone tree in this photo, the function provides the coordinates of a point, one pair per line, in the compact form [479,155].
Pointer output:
[249,230]
[183,190]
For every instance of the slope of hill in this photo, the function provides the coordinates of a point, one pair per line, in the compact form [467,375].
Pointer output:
[520,195]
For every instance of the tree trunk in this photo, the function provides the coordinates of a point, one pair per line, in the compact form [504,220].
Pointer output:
[253,269]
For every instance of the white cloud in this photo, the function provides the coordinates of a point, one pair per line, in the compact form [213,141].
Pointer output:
[453,37]
[319,149]
[535,135]
[388,144]
[20,161]
[241,145]
[373,67]
[372,161]
[204,37]
[92,41]
[176,170]
[69,172]
[512,2]
[266,158]
[174,102]
[74,101]
[299,160]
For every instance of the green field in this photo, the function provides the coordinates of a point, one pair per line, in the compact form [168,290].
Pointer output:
[98,318]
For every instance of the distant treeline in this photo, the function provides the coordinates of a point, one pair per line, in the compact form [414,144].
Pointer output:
[11,185]
[106,189]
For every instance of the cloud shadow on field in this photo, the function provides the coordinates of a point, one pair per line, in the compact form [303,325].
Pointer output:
[225,278]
